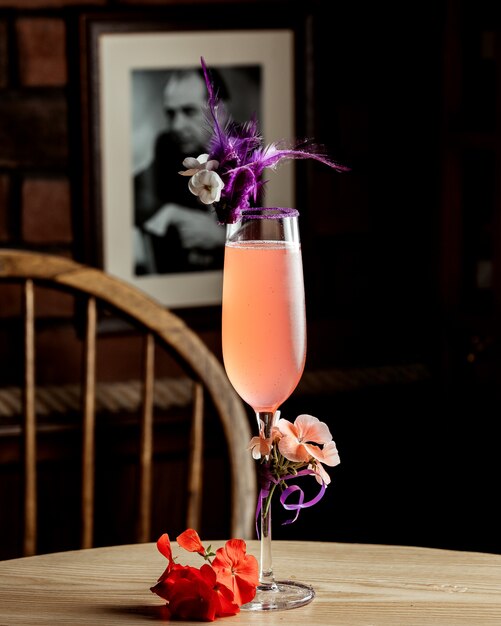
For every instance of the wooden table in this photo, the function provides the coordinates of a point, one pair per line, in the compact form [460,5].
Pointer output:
[356,584]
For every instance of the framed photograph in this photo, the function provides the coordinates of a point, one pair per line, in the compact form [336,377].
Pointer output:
[142,113]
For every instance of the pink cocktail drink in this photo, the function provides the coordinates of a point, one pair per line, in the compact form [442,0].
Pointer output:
[264,321]
[264,352]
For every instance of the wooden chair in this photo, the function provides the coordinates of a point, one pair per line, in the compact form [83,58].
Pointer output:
[95,290]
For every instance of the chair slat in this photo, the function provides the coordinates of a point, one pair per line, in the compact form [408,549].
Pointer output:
[30,453]
[88,426]
[146,443]
[169,333]
[195,474]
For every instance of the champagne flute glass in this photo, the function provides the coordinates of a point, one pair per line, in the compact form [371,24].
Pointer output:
[264,348]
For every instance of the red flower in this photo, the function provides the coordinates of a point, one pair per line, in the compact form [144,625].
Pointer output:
[194,594]
[188,595]
[191,593]
[237,570]
[189,540]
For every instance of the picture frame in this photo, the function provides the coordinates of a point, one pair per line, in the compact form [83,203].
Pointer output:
[113,47]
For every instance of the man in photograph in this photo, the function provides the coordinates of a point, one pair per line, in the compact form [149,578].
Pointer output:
[174,232]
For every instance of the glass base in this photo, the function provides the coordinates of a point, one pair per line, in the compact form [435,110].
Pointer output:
[283,595]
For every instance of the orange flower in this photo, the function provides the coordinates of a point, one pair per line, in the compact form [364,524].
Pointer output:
[297,439]
[237,570]
[261,446]
[190,540]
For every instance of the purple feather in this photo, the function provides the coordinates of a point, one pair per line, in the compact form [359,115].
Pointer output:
[242,157]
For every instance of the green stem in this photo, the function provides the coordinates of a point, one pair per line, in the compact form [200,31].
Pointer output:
[268,499]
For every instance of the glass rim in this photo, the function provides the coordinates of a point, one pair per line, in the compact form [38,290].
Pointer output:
[259,213]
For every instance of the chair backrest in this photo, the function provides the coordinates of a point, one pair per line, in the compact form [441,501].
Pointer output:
[95,290]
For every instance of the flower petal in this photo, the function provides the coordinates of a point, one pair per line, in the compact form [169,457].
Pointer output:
[189,172]
[321,476]
[227,605]
[163,545]
[314,451]
[189,540]
[260,446]
[312,429]
[292,450]
[330,454]
[212,164]
[287,428]
[193,599]
[191,162]
[194,186]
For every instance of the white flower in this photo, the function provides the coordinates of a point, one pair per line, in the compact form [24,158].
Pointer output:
[207,185]
[204,182]
[200,163]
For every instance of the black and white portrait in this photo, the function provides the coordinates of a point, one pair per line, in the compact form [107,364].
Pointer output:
[173,231]
[144,225]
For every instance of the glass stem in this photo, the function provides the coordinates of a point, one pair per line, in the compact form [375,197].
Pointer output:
[266,578]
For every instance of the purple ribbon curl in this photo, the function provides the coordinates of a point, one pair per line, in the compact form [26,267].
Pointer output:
[301,504]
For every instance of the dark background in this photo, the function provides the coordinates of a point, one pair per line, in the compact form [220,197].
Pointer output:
[404,352]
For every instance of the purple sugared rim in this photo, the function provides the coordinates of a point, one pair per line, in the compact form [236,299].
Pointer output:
[257,213]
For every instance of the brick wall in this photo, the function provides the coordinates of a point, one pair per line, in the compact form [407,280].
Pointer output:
[35,205]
